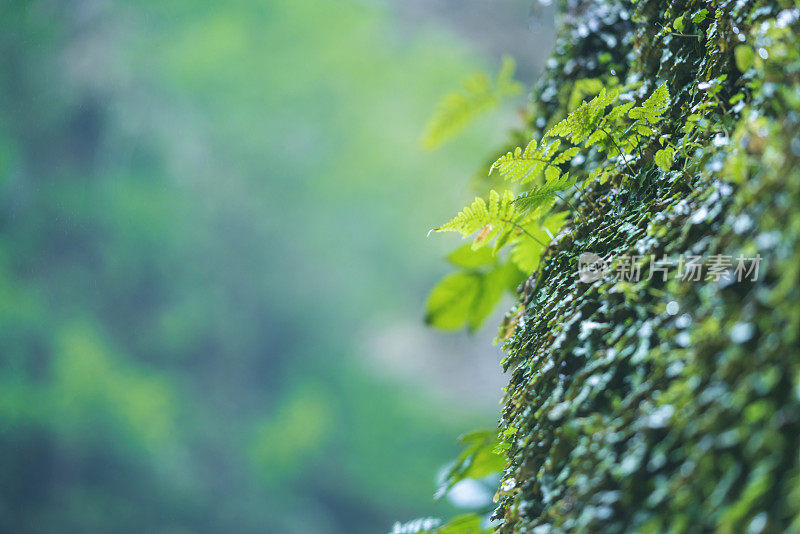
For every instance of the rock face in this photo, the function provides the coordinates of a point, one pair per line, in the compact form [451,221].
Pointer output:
[668,403]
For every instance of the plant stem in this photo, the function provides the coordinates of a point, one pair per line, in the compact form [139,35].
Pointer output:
[571,206]
[621,153]
[520,227]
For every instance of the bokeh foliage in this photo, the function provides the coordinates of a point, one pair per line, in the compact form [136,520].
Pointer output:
[200,203]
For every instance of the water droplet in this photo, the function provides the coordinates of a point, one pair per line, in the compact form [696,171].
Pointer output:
[786,17]
[683,339]
[742,223]
[700,215]
[660,416]
[742,332]
[683,321]
[758,524]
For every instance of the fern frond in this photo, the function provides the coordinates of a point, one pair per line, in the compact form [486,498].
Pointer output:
[522,166]
[543,196]
[498,217]
[584,88]
[580,124]
[652,109]
[620,111]
[458,109]
[506,84]
[567,155]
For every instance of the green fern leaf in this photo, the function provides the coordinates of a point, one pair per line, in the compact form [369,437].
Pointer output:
[664,158]
[620,111]
[526,255]
[652,109]
[523,166]
[458,109]
[489,220]
[566,155]
[580,124]
[541,198]
[583,88]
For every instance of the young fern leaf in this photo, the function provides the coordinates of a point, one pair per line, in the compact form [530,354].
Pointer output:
[467,297]
[652,109]
[540,198]
[619,111]
[498,217]
[582,122]
[458,109]
[583,88]
[524,165]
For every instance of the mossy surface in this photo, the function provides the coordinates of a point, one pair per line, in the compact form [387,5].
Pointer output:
[620,414]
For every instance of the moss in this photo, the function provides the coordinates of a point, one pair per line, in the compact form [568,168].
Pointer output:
[623,416]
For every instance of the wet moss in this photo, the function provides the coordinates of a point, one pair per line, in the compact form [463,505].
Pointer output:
[674,405]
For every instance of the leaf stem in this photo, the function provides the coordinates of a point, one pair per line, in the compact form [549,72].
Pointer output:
[572,206]
[621,153]
[520,227]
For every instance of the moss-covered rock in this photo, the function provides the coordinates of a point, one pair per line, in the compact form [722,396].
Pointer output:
[668,405]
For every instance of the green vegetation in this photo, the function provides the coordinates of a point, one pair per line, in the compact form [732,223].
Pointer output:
[458,109]
[524,222]
[204,208]
[649,404]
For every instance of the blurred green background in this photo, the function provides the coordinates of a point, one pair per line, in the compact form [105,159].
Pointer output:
[213,260]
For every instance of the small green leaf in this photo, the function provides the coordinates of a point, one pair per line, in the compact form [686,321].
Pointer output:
[700,16]
[664,158]
[678,24]
[492,285]
[466,298]
[745,57]
[449,303]
[463,524]
[467,258]
[478,459]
